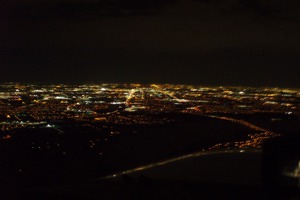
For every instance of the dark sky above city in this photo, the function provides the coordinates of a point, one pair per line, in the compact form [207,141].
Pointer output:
[206,42]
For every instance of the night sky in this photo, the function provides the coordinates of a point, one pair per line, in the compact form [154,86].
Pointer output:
[206,42]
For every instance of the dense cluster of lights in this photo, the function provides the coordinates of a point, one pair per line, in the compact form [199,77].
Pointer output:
[100,105]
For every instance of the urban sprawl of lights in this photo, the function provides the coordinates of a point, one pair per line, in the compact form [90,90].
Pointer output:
[99,106]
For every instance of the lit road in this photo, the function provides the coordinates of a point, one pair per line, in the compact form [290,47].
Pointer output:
[166,162]
[242,122]
[130,96]
[167,93]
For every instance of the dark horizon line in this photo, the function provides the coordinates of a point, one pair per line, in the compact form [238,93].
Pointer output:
[145,83]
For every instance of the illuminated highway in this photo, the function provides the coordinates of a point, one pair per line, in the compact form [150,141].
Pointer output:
[166,162]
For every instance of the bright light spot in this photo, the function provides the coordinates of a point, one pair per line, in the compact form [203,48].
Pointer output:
[50,126]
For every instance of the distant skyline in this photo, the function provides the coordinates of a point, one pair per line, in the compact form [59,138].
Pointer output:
[204,42]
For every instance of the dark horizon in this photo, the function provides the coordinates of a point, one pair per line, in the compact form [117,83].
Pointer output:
[212,42]
[141,83]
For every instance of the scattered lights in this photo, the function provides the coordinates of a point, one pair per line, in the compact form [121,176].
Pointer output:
[96,106]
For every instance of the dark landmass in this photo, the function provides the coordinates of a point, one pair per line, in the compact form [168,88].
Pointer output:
[27,160]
